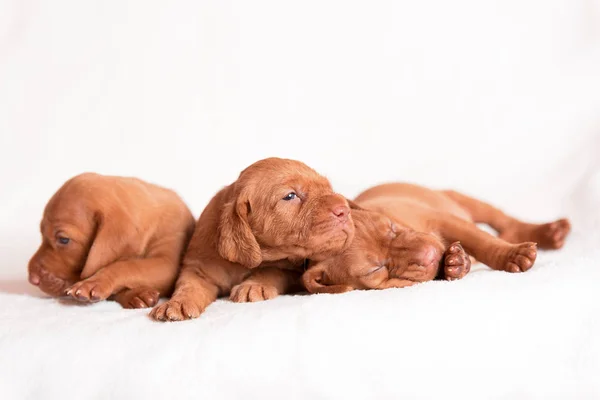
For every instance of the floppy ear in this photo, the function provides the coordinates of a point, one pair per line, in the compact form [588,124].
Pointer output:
[112,239]
[236,242]
[353,205]
[313,280]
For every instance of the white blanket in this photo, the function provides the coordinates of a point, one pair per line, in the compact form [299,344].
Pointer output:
[498,99]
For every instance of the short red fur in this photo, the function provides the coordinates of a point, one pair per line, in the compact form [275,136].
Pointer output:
[108,236]
[276,214]
[406,234]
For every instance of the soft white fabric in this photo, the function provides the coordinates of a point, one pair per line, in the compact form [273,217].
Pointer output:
[500,99]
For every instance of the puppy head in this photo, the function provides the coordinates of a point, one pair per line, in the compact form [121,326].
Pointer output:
[81,232]
[381,255]
[282,208]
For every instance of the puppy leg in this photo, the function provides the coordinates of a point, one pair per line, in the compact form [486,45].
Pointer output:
[548,236]
[158,272]
[492,251]
[193,293]
[140,297]
[551,235]
[266,283]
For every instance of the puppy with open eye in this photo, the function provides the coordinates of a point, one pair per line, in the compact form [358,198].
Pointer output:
[406,234]
[276,214]
[108,236]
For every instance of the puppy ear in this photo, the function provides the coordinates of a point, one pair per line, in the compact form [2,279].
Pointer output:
[112,239]
[353,205]
[314,279]
[236,242]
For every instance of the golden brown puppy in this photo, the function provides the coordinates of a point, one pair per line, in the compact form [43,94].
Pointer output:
[108,235]
[384,254]
[278,213]
[402,232]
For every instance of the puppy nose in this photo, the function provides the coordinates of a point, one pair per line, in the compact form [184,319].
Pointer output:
[341,211]
[34,279]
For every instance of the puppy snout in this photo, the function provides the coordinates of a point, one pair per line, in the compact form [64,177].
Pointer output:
[46,280]
[34,270]
[34,278]
[341,212]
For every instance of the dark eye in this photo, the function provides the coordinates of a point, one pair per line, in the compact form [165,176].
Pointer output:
[290,196]
[63,240]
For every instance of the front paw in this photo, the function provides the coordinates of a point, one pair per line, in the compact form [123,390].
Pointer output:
[140,297]
[457,262]
[177,309]
[90,290]
[250,292]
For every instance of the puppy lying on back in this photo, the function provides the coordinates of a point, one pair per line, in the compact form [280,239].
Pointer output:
[107,235]
[403,231]
[278,213]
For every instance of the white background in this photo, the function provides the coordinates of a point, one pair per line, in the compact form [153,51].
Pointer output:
[486,96]
[500,99]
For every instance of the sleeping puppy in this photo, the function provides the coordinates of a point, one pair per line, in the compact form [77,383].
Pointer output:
[384,254]
[403,230]
[106,236]
[278,213]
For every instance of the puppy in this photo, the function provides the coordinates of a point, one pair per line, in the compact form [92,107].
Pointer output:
[401,240]
[278,213]
[107,235]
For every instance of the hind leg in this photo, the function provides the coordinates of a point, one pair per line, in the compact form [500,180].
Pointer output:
[551,235]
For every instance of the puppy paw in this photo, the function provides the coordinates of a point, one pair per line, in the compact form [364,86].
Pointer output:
[250,292]
[548,236]
[552,235]
[90,290]
[178,309]
[520,257]
[457,262]
[141,297]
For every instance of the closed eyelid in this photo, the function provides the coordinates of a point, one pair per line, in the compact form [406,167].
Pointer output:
[375,268]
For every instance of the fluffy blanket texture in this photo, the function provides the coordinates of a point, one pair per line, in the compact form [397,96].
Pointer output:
[500,100]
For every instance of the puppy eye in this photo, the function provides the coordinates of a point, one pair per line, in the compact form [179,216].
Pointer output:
[290,196]
[63,240]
